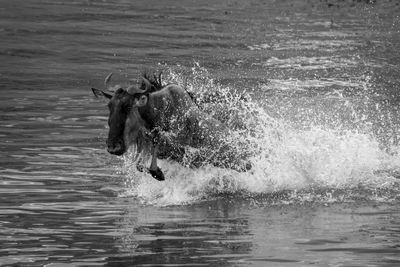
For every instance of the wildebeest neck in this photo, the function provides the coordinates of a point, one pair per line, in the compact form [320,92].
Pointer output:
[149,115]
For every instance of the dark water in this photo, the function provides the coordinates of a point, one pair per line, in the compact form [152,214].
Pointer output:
[324,82]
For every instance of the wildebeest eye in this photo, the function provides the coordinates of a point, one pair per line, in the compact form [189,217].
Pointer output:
[127,107]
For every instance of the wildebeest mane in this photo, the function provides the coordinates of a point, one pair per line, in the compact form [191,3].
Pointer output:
[154,79]
[157,84]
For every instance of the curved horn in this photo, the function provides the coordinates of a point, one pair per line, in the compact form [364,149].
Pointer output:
[107,80]
[108,86]
[107,83]
[132,90]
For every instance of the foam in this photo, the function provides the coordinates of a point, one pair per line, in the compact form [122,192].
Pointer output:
[286,159]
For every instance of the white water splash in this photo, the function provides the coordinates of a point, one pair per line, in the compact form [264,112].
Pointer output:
[284,158]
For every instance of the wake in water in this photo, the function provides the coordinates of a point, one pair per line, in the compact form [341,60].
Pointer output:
[288,164]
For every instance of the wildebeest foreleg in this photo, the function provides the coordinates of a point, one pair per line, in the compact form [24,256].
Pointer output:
[154,170]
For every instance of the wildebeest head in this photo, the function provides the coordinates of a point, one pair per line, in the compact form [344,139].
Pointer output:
[126,126]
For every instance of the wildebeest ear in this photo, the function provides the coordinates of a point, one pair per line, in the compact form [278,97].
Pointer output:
[141,101]
[99,93]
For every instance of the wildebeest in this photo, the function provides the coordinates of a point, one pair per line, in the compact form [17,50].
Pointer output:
[165,122]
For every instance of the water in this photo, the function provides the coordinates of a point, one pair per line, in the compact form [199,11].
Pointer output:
[323,81]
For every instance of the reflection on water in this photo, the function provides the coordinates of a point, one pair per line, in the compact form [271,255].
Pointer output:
[229,232]
[327,196]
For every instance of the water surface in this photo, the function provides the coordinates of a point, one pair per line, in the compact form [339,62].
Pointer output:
[323,80]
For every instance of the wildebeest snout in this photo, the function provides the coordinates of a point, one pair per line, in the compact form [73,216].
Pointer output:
[116,148]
